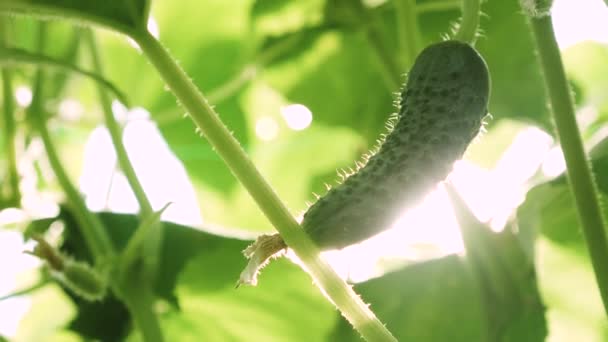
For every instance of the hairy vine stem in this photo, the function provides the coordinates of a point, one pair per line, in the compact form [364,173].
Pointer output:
[467,31]
[579,172]
[207,120]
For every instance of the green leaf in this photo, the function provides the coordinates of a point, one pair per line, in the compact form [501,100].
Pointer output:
[348,14]
[278,17]
[281,48]
[20,56]
[121,15]
[435,300]
[550,209]
[286,306]
[517,86]
[503,266]
[109,319]
[294,162]
[338,81]
[586,65]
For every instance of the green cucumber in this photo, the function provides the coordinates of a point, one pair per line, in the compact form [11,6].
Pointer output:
[441,110]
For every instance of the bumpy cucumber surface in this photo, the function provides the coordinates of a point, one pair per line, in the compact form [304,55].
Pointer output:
[441,111]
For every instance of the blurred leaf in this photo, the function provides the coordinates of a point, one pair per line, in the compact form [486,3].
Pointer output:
[212,46]
[550,207]
[285,306]
[338,81]
[517,87]
[574,306]
[503,266]
[278,17]
[550,210]
[435,300]
[281,48]
[291,163]
[121,15]
[109,319]
[18,56]
[586,64]
[50,311]
[348,14]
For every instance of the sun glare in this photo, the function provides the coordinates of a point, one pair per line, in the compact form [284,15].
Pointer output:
[297,116]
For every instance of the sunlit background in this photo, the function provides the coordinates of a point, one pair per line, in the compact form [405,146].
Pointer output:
[428,230]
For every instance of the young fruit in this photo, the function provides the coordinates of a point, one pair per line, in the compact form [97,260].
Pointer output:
[440,112]
[79,277]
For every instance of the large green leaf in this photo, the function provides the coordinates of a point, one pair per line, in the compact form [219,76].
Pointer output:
[109,319]
[430,301]
[285,306]
[120,15]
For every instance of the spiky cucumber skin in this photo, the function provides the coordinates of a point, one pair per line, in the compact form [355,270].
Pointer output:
[441,110]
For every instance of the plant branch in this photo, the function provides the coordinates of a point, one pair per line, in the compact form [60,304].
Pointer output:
[579,172]
[408,32]
[140,302]
[205,118]
[91,227]
[116,132]
[136,282]
[467,31]
[9,124]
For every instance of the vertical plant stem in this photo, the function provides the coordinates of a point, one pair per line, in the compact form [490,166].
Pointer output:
[9,125]
[140,303]
[579,173]
[153,241]
[116,131]
[351,306]
[408,32]
[147,240]
[91,227]
[467,32]
[10,138]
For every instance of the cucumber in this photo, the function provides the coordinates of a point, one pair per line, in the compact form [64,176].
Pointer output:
[441,110]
